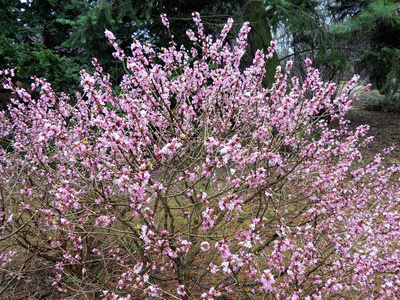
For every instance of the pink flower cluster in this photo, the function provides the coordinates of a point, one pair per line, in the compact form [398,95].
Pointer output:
[195,180]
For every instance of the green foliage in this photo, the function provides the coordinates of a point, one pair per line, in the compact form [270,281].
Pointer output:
[87,32]
[374,101]
[32,41]
[89,28]
[55,39]
[36,60]
[304,24]
[386,73]
[376,26]
[387,103]
[385,10]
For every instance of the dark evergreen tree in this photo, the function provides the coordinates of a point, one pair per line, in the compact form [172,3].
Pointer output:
[55,39]
[32,40]
[372,29]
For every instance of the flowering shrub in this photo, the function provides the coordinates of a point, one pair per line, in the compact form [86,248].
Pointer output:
[196,182]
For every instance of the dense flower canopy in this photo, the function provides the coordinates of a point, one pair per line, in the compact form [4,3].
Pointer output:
[192,180]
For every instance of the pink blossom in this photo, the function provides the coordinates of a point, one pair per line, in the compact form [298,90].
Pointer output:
[194,150]
[181,290]
[164,20]
[205,246]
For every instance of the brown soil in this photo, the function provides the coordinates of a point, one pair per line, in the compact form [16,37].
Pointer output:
[384,127]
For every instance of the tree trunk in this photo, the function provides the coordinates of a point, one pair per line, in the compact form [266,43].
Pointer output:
[259,36]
